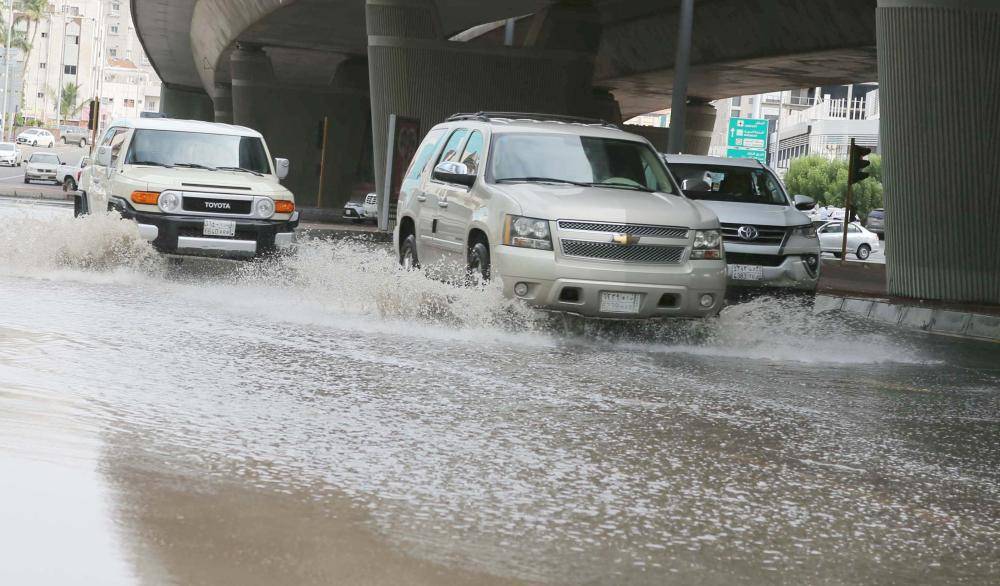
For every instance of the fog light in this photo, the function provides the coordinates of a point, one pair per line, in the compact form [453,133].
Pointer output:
[707,300]
[521,289]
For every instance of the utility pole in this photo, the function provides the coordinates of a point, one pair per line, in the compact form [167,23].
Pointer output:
[6,70]
[682,66]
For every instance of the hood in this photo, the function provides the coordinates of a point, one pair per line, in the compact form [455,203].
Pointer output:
[162,178]
[606,204]
[754,213]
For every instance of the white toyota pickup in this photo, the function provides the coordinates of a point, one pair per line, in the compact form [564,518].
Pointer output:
[192,187]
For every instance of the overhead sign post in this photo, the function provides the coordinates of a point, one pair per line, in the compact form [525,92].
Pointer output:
[747,138]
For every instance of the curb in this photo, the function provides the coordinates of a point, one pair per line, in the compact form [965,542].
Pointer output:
[945,322]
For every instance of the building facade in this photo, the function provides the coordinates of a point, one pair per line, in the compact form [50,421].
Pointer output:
[81,49]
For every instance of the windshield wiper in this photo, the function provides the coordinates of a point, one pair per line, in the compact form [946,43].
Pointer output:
[541,180]
[152,163]
[622,186]
[244,169]
[194,166]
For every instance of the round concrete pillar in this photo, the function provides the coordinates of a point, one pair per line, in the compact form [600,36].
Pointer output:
[938,82]
[185,104]
[698,127]
[252,75]
[415,73]
[223,101]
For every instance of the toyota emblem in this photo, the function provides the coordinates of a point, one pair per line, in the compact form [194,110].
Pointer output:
[748,232]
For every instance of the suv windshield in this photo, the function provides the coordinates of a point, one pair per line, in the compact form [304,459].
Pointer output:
[724,183]
[171,147]
[44,158]
[582,160]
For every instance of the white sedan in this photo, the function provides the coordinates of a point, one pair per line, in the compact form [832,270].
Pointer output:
[37,137]
[860,241]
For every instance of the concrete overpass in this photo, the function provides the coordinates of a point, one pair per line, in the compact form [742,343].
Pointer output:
[283,65]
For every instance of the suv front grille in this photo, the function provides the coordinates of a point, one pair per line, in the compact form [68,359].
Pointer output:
[634,229]
[769,235]
[217,205]
[764,260]
[640,253]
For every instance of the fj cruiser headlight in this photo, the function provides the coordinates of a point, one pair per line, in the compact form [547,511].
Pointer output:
[805,231]
[169,202]
[265,207]
[527,233]
[707,245]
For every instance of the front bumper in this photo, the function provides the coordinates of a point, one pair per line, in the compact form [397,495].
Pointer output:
[185,234]
[576,286]
[41,176]
[792,273]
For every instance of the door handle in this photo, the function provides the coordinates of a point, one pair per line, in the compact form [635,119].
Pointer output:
[421,197]
[443,203]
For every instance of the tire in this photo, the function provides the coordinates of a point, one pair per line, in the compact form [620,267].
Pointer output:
[408,254]
[479,261]
[35,143]
[83,142]
[864,251]
[69,184]
[26,180]
[63,139]
[836,255]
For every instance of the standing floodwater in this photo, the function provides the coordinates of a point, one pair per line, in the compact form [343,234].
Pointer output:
[325,418]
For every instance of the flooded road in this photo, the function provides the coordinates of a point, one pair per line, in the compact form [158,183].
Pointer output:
[328,419]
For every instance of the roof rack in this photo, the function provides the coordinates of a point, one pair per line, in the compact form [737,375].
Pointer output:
[488,116]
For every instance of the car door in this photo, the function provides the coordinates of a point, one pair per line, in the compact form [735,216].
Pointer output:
[99,189]
[438,244]
[413,198]
[456,204]
[854,237]
[830,237]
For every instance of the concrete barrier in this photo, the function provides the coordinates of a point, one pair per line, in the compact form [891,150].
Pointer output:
[933,320]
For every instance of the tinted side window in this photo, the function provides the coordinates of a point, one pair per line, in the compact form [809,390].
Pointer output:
[450,152]
[425,152]
[473,152]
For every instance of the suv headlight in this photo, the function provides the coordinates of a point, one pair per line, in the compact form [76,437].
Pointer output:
[804,232]
[707,245]
[527,233]
[265,207]
[168,201]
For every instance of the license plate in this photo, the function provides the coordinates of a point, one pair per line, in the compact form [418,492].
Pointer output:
[613,302]
[746,272]
[220,228]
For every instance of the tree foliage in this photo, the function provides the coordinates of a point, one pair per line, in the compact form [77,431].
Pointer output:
[826,182]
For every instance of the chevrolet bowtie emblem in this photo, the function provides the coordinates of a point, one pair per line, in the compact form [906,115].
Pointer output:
[625,239]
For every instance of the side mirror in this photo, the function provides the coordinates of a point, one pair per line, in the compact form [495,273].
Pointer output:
[684,184]
[804,203]
[453,172]
[281,167]
[103,157]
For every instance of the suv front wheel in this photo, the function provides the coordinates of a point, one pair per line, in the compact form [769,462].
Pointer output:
[479,261]
[408,253]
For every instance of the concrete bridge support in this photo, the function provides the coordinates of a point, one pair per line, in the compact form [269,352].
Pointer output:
[223,103]
[939,79]
[416,73]
[189,104]
[290,118]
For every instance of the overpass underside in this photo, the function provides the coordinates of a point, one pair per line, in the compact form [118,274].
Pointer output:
[285,66]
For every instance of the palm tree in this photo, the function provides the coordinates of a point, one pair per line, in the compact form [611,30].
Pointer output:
[18,39]
[68,103]
[32,11]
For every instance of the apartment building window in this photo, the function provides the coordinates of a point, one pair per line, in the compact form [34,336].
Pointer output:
[40,95]
[128,54]
[41,65]
[113,51]
[115,7]
[73,39]
[45,35]
[129,103]
[70,70]
[114,29]
[737,100]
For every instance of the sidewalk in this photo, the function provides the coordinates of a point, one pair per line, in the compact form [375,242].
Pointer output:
[860,288]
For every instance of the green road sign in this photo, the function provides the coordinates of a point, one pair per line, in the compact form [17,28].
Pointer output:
[760,155]
[747,133]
